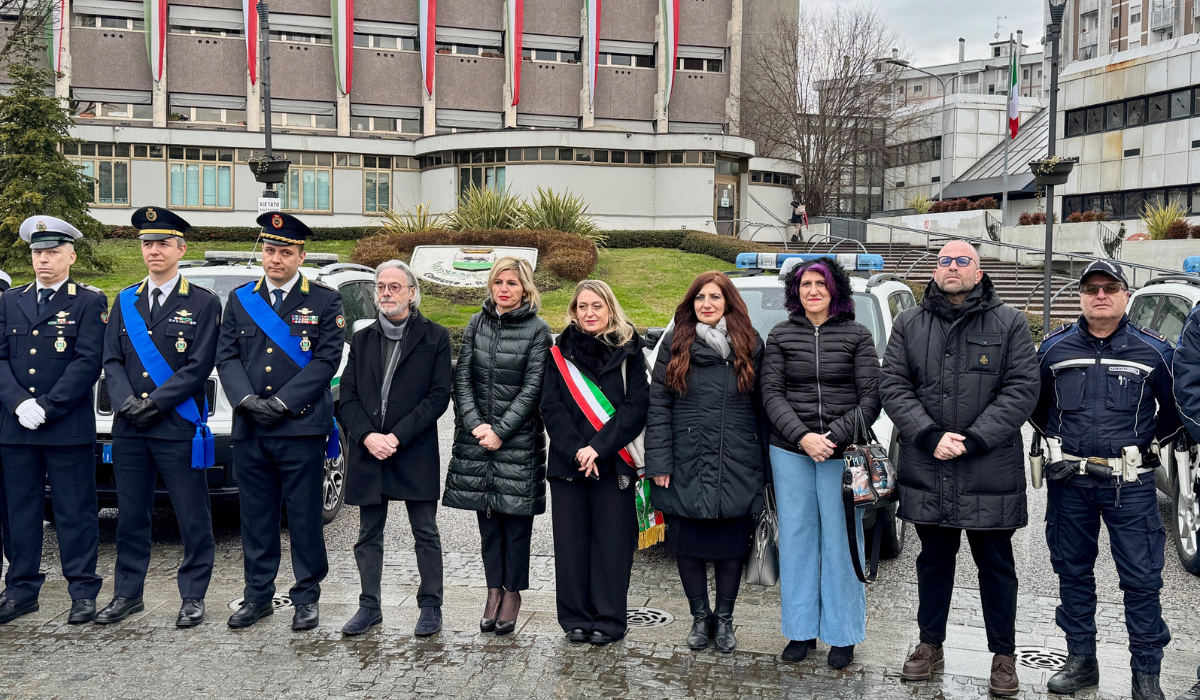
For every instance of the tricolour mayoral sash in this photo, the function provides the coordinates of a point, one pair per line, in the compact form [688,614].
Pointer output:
[203,443]
[280,333]
[598,410]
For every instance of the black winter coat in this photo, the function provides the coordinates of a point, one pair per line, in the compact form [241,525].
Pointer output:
[971,370]
[570,431]
[498,381]
[710,441]
[419,395]
[814,377]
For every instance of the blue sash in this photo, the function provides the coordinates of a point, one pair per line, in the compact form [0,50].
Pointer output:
[280,333]
[203,443]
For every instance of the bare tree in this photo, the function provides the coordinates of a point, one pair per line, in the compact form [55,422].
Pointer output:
[818,93]
[27,23]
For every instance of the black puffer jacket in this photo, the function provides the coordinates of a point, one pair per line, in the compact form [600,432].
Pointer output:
[710,441]
[814,377]
[498,381]
[569,429]
[972,370]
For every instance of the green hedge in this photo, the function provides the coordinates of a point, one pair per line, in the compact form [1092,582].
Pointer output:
[671,238]
[248,234]
[722,247]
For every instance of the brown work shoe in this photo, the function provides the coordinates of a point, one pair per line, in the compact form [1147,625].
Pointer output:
[1003,680]
[921,664]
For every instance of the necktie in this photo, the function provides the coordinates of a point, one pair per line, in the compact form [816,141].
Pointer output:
[155,303]
[278,294]
[44,295]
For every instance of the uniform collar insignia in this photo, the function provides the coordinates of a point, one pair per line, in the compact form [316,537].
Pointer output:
[183,286]
[72,290]
[303,284]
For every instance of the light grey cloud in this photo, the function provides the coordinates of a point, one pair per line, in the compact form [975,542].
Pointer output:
[930,28]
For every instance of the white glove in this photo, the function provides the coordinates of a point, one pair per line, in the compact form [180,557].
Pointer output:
[30,414]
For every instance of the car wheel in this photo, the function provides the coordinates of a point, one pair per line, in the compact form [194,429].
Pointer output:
[1186,527]
[334,491]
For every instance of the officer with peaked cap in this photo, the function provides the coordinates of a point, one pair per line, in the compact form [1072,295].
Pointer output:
[280,346]
[159,350]
[49,362]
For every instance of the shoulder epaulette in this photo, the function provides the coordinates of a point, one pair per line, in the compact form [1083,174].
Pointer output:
[90,288]
[321,284]
[1058,331]
[1151,332]
[193,285]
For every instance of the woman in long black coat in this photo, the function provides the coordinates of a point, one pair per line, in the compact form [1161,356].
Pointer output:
[705,448]
[393,453]
[594,514]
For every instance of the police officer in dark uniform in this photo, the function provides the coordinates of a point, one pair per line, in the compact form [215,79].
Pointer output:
[155,367]
[281,344]
[1106,397]
[49,362]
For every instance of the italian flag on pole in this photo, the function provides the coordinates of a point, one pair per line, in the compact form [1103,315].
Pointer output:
[342,12]
[1014,110]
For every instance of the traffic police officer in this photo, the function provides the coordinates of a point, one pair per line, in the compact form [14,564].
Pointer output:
[155,367]
[49,362]
[1101,380]
[280,346]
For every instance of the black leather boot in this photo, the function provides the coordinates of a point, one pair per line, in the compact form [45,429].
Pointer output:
[702,623]
[1079,672]
[1145,687]
[723,638]
[1194,693]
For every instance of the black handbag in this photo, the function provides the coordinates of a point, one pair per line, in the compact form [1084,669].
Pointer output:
[762,566]
[869,482]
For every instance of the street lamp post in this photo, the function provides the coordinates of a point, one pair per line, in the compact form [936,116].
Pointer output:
[267,170]
[1053,33]
[942,160]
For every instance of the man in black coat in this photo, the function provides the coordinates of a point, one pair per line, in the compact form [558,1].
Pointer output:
[49,362]
[177,324]
[395,386]
[960,377]
[280,346]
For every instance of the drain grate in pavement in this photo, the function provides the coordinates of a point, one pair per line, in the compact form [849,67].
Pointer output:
[1041,658]
[649,617]
[281,602]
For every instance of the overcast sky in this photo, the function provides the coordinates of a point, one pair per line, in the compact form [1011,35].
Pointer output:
[931,28]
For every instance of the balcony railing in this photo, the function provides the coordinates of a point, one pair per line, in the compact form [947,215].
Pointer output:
[1162,19]
[1087,38]
[969,88]
[1088,6]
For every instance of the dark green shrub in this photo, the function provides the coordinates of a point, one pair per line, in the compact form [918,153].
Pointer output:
[670,238]
[722,247]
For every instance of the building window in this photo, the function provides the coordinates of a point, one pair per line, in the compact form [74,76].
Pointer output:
[386,124]
[106,22]
[1114,116]
[304,121]
[206,31]
[625,60]
[1135,112]
[111,110]
[1135,18]
[391,43]
[207,115]
[1181,104]
[918,88]
[470,50]
[913,152]
[995,51]
[1025,74]
[295,38]
[144,151]
[781,179]
[309,182]
[707,65]
[548,56]
[107,166]
[1156,109]
[377,184]
[200,178]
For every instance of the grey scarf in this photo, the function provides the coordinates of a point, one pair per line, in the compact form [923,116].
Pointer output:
[393,337]
[716,336]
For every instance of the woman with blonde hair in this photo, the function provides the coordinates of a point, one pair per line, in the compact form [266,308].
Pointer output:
[594,403]
[498,467]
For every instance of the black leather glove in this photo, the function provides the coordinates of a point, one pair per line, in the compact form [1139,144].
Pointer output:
[143,414]
[266,412]
[126,405]
[1061,472]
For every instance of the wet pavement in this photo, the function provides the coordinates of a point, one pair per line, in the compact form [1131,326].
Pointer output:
[146,656]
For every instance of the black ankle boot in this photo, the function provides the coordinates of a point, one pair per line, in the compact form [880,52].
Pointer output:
[1145,687]
[797,651]
[840,657]
[701,623]
[723,638]
[1079,672]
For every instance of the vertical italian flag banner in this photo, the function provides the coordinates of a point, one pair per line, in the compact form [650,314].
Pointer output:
[427,34]
[670,25]
[1014,104]
[342,12]
[514,26]
[250,17]
[591,50]
[54,34]
[156,35]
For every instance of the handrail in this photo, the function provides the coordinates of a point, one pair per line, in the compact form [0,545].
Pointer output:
[840,240]
[1107,238]
[1069,282]
[916,262]
[739,230]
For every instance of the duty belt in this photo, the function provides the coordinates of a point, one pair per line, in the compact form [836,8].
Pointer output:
[1122,467]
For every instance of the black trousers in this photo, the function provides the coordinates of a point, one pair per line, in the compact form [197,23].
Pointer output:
[271,472]
[136,462]
[505,543]
[368,552]
[992,550]
[595,537]
[71,470]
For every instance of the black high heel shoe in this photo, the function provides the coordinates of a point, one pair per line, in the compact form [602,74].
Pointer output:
[511,606]
[487,623]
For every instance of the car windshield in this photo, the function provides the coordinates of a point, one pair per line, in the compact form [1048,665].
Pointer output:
[221,284]
[767,309]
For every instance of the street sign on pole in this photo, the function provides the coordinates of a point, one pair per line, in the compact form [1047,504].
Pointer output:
[267,204]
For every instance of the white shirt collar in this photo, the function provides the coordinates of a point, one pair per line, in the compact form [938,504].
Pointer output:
[166,287]
[55,286]
[287,287]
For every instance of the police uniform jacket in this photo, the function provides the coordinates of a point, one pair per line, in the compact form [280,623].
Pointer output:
[185,332]
[1186,367]
[248,362]
[1099,394]
[52,356]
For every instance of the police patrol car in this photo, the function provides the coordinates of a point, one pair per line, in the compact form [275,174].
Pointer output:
[222,272]
[1163,305]
[878,299]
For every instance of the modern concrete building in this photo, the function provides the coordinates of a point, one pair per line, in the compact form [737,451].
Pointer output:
[1095,28]
[977,76]
[373,117]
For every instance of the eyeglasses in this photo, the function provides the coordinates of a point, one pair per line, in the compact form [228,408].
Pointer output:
[393,288]
[1091,290]
[962,260]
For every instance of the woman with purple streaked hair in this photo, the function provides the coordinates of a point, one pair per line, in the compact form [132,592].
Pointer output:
[819,371]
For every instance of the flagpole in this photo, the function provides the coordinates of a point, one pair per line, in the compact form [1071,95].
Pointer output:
[1007,132]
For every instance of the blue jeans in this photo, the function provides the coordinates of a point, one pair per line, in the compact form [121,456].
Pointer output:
[822,597]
